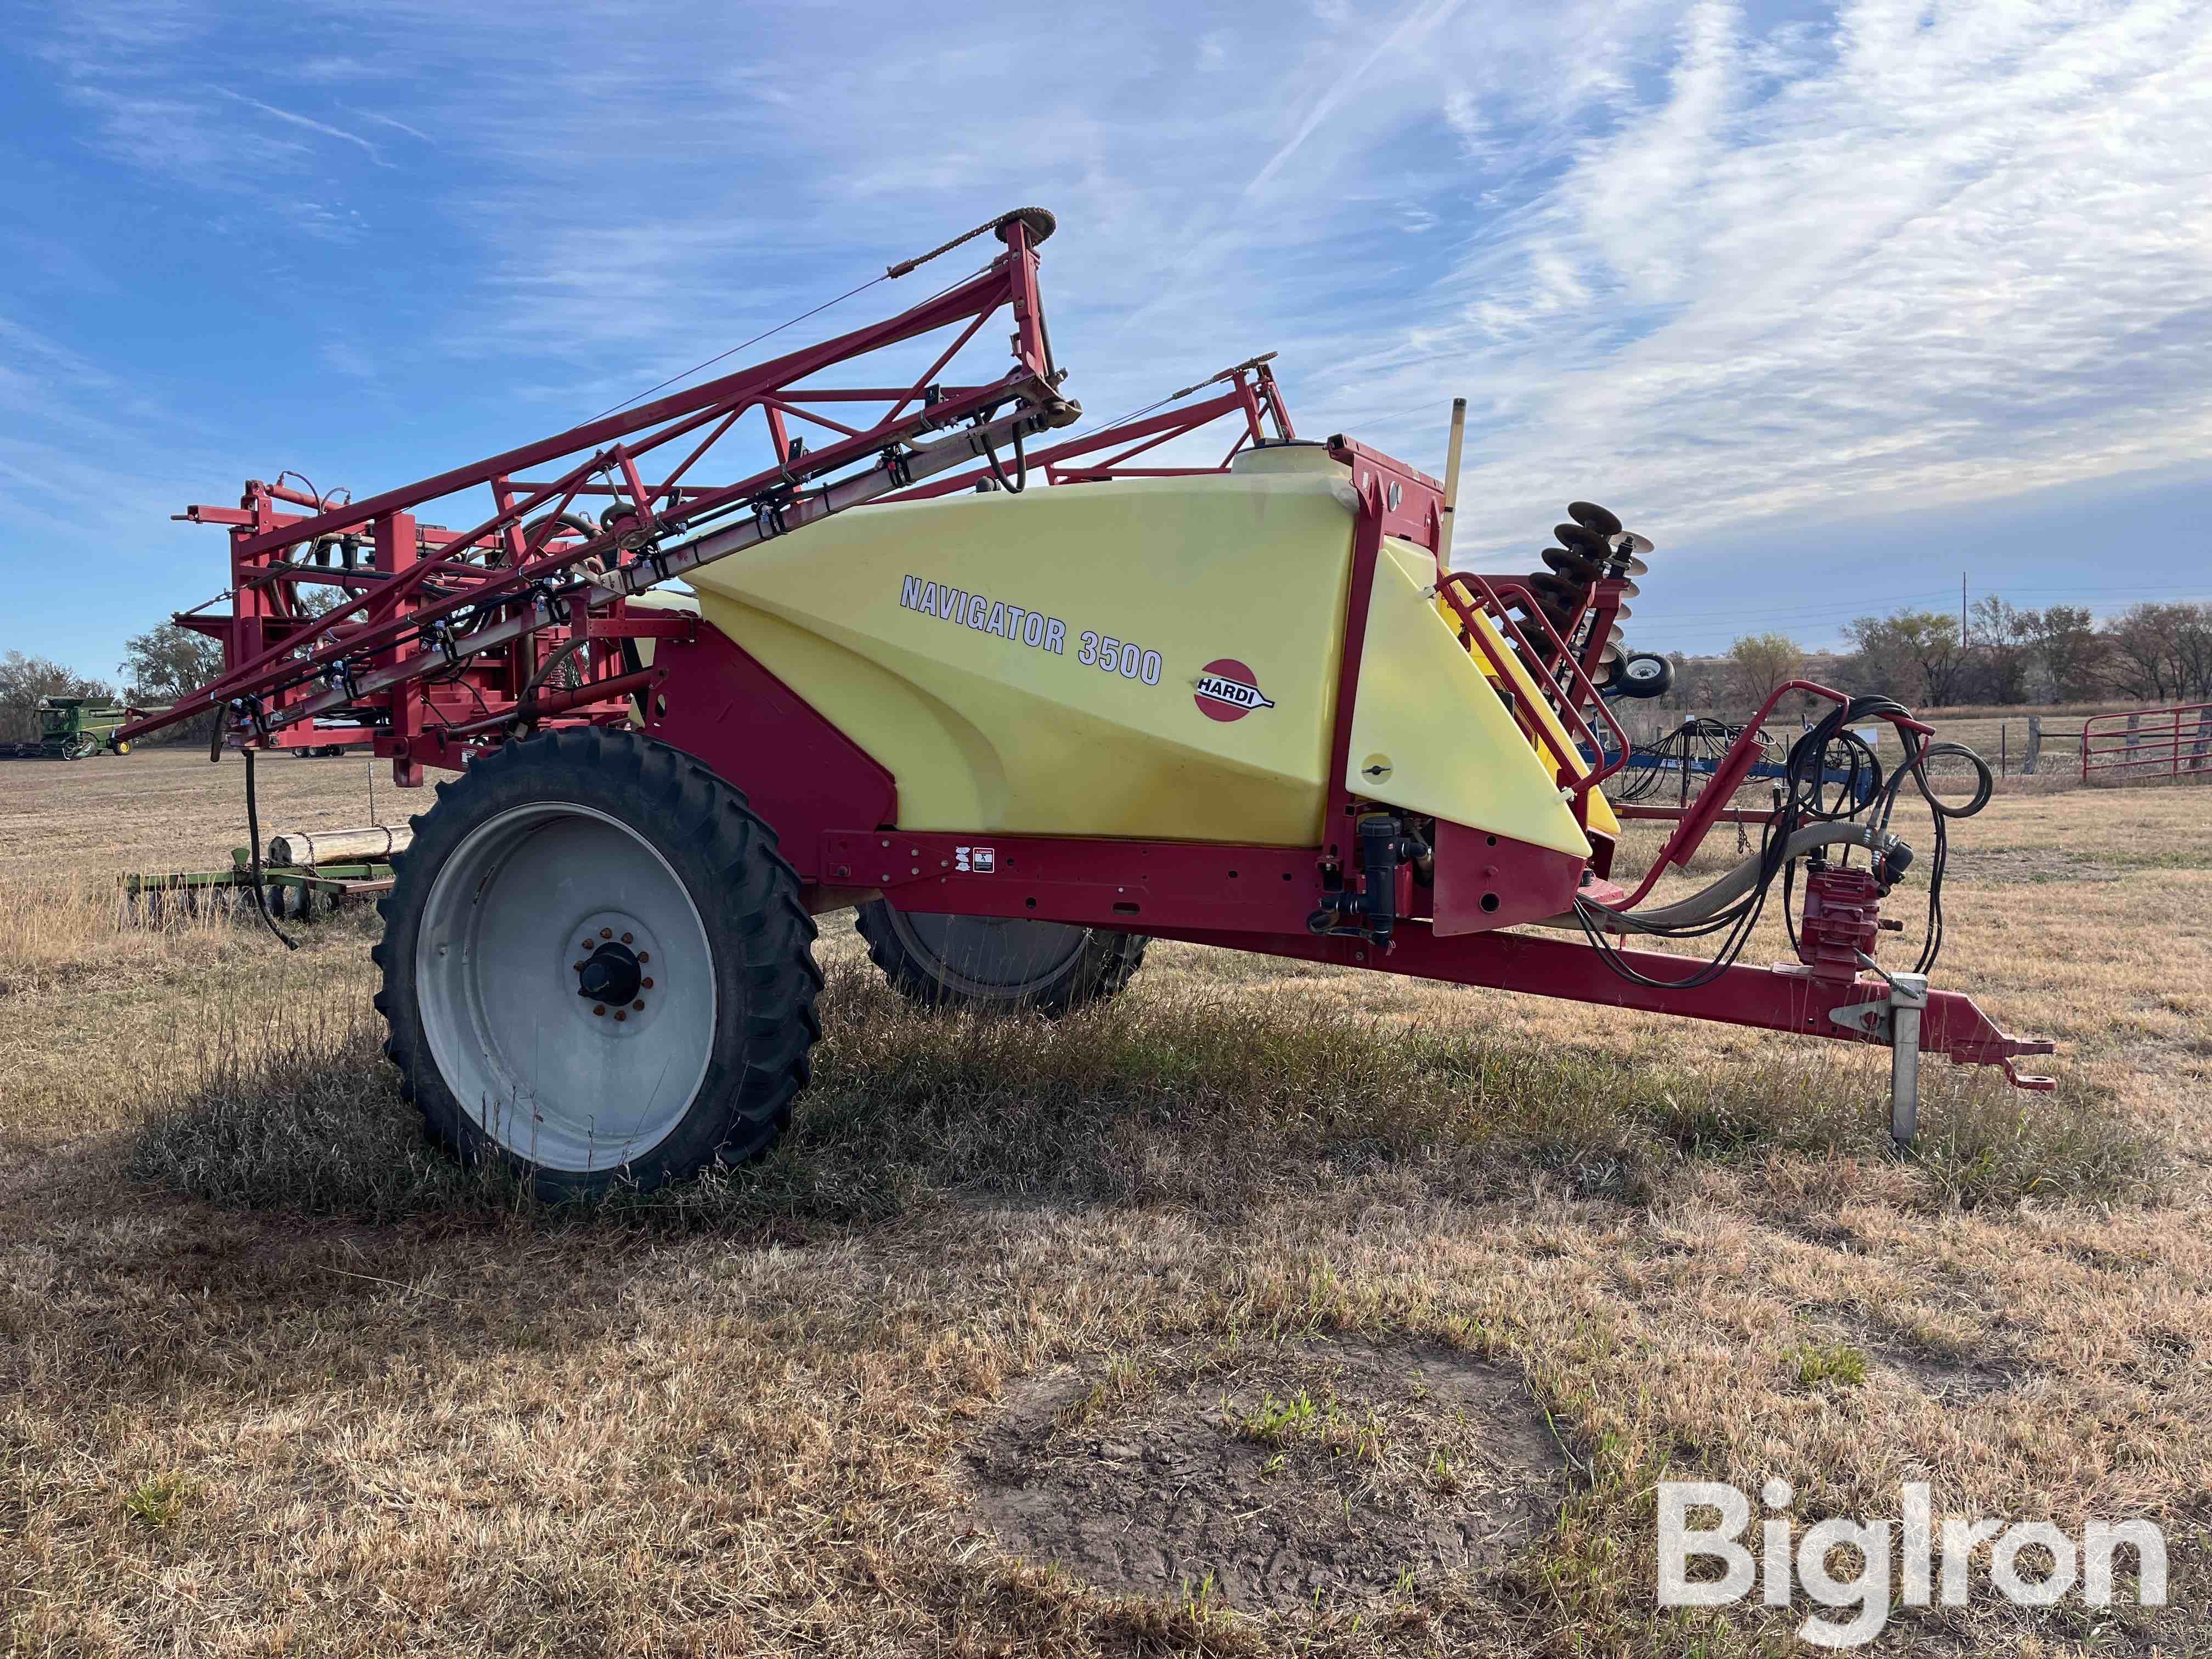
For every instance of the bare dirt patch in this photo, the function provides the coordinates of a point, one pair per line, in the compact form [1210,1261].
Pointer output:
[1306,1476]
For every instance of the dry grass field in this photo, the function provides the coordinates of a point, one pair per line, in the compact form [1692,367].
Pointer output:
[1267,1311]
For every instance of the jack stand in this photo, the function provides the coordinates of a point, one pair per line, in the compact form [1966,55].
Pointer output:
[1896,1020]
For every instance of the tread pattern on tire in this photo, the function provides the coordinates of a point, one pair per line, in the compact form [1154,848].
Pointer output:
[758,930]
[1106,964]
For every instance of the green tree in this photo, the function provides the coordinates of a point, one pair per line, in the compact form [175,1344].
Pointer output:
[2071,650]
[166,663]
[1759,663]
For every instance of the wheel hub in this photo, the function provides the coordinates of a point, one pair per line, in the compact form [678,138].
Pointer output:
[610,974]
[615,967]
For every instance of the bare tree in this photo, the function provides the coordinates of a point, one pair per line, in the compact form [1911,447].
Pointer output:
[1916,655]
[2157,651]
[2002,640]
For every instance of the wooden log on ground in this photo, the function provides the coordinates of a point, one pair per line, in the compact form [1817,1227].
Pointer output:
[303,848]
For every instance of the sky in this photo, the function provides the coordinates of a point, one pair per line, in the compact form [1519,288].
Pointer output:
[1836,304]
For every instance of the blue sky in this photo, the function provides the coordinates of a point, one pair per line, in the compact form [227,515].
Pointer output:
[1831,303]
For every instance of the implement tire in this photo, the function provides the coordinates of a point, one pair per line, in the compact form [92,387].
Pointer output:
[1002,966]
[597,966]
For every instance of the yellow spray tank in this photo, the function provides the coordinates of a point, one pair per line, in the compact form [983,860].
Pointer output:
[1150,657]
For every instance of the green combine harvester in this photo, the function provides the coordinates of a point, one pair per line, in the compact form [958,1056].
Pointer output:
[74,728]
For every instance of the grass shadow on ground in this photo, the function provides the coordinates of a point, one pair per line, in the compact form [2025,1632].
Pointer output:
[1214,1101]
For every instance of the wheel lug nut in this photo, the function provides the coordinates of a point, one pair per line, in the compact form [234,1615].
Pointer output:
[647,983]
[620,1014]
[607,933]
[601,1009]
[639,1004]
[626,938]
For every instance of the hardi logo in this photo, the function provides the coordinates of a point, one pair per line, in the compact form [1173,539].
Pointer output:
[1228,690]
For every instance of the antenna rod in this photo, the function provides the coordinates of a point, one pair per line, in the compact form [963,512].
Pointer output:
[1451,488]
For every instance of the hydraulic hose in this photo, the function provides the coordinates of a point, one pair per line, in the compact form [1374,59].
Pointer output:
[1707,903]
[253,855]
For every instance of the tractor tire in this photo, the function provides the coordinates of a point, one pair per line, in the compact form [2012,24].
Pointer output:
[597,967]
[121,745]
[998,966]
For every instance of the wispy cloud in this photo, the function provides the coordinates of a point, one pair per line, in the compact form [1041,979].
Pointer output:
[1426,18]
[374,154]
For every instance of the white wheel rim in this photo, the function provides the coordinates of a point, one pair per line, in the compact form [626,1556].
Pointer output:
[514,910]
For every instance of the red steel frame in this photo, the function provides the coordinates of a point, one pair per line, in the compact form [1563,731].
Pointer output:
[450,635]
[2129,750]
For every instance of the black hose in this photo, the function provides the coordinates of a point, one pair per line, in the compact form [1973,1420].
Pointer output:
[253,854]
[1021,467]
[1805,798]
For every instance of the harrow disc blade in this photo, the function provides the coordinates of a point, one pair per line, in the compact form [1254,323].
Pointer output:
[1636,566]
[1628,545]
[1591,516]
[1587,542]
[1556,589]
[1573,566]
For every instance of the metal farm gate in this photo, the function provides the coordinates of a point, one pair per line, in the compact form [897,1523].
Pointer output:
[2144,743]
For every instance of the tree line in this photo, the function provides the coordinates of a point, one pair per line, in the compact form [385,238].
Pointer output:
[2151,654]
[158,667]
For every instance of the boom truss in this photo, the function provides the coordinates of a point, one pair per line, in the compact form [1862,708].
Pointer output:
[443,642]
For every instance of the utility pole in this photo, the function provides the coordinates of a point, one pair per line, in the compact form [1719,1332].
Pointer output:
[1962,611]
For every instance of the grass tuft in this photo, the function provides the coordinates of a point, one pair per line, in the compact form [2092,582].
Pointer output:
[1816,1363]
[159,1502]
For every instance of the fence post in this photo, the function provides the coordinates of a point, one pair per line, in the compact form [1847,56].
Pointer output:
[2004,745]
[2200,751]
[2027,761]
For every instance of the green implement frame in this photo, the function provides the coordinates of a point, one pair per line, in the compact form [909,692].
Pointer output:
[297,893]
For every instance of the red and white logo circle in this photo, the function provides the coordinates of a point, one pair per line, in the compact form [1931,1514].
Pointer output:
[1228,690]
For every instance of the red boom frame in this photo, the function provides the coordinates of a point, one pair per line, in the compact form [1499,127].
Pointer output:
[447,642]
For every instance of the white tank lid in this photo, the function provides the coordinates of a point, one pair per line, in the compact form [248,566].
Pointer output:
[1299,455]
